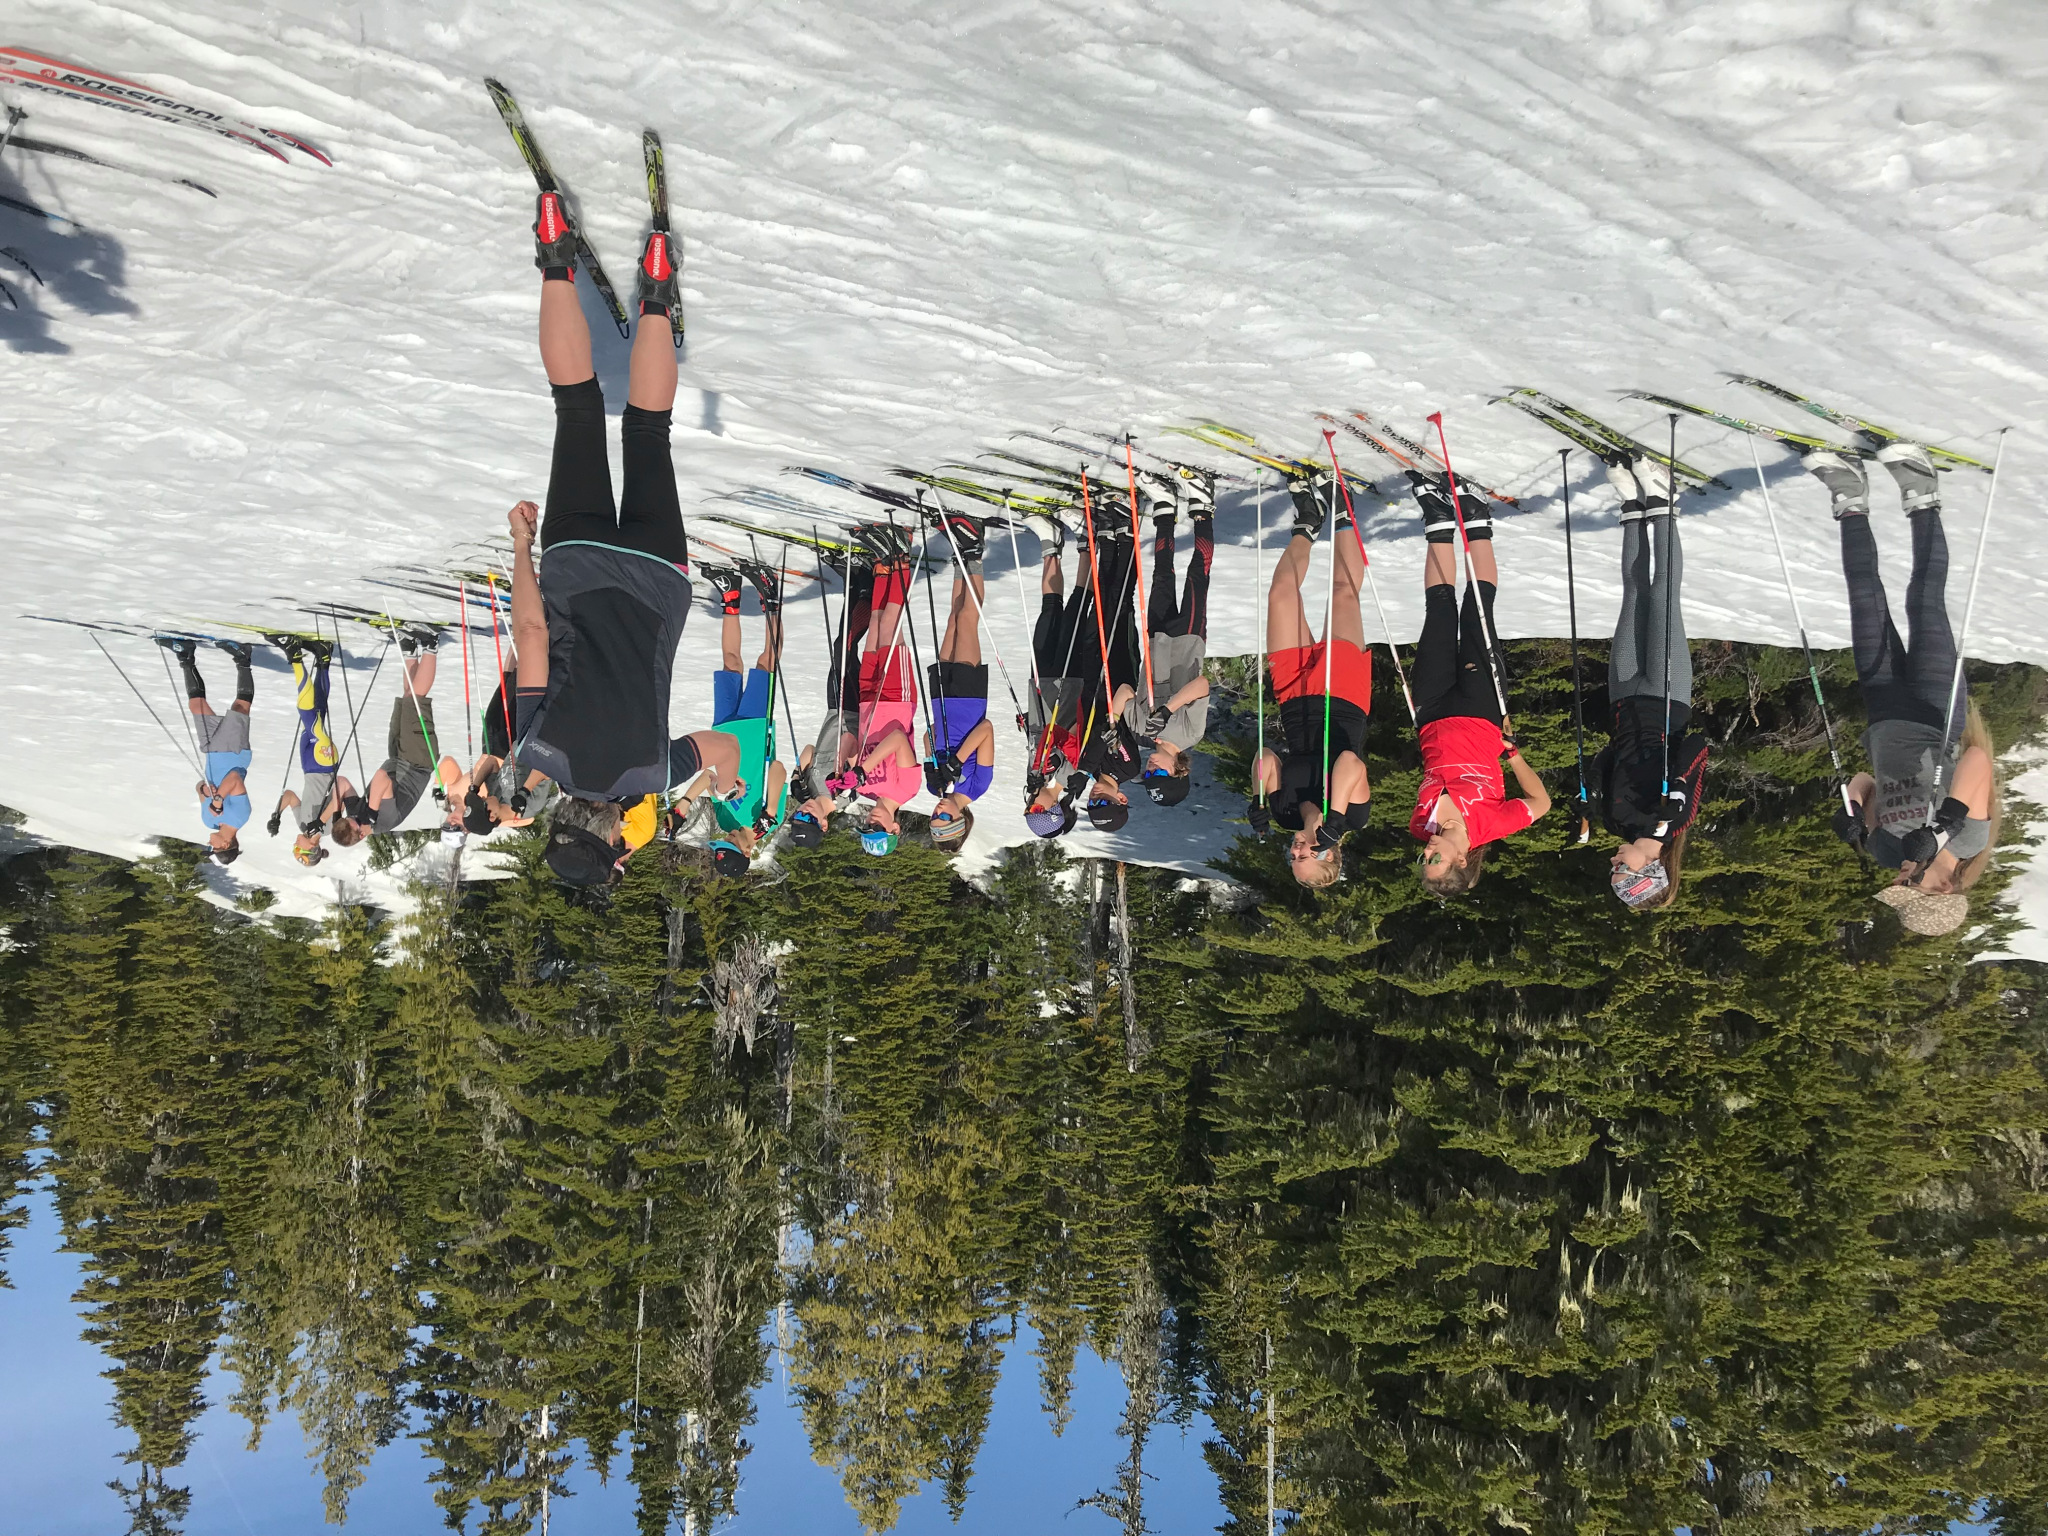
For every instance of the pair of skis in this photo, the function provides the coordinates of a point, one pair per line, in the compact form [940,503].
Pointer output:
[21,141]
[76,82]
[1870,436]
[1598,438]
[544,176]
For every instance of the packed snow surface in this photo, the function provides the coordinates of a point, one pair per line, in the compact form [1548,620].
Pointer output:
[912,229]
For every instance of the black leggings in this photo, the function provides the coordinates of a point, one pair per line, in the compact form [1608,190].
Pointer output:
[1902,681]
[843,692]
[1450,676]
[1065,640]
[648,518]
[1191,615]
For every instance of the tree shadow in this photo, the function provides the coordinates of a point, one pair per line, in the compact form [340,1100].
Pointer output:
[82,268]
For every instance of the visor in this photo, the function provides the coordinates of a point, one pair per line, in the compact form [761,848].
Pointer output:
[1637,886]
[727,860]
[878,842]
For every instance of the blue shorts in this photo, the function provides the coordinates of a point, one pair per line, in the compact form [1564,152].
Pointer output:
[731,702]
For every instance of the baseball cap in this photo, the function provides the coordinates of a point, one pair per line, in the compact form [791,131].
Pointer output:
[805,830]
[727,860]
[578,856]
[1106,815]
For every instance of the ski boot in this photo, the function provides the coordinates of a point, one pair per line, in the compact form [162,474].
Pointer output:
[1847,482]
[659,286]
[1307,490]
[1641,489]
[184,647]
[1052,533]
[765,582]
[726,581]
[1197,493]
[293,646]
[419,637]
[555,241]
[885,542]
[242,652]
[1919,489]
[967,534]
[1158,494]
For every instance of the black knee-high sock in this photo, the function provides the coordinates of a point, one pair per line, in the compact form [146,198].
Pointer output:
[245,680]
[195,685]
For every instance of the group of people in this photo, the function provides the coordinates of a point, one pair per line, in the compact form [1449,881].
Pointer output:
[1928,806]
[1117,691]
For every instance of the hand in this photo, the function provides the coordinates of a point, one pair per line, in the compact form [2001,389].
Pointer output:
[524,519]
[1156,718]
[276,821]
[1261,818]
[1325,838]
[1850,828]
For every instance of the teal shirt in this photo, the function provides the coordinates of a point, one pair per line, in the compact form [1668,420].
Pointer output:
[752,736]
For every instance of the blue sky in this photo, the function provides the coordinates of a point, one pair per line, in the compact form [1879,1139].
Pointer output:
[63,1447]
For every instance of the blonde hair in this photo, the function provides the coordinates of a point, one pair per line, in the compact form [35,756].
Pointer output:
[1317,874]
[1673,860]
[1977,734]
[1454,879]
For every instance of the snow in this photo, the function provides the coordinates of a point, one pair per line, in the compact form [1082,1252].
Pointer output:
[912,229]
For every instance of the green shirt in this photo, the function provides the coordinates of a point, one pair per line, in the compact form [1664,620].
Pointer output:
[752,736]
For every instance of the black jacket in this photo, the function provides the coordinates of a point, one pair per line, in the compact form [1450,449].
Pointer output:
[1626,779]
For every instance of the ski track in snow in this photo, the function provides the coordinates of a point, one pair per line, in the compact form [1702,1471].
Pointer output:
[910,230]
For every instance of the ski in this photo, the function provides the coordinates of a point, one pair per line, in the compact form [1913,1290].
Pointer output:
[1596,437]
[1428,459]
[1744,424]
[34,211]
[974,490]
[1112,451]
[1869,429]
[78,83]
[1246,446]
[812,542]
[66,152]
[265,630]
[782,504]
[657,205]
[881,493]
[788,573]
[544,175]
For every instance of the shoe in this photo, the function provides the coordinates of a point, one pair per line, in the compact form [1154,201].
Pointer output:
[1308,492]
[1913,469]
[555,241]
[1052,534]
[726,581]
[1848,485]
[660,281]
[242,652]
[766,583]
[884,541]
[967,534]
[1433,495]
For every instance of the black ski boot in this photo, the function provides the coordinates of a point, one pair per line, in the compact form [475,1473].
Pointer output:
[419,637]
[969,535]
[726,581]
[1308,491]
[555,241]
[293,646]
[765,582]
[242,652]
[884,541]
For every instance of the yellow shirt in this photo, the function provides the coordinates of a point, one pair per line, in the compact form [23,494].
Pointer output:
[638,825]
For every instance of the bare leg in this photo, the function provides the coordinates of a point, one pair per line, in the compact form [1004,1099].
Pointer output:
[651,375]
[1347,620]
[1286,619]
[1440,566]
[729,642]
[963,626]
[771,647]
[1483,567]
[882,626]
[420,671]
[1052,577]
[564,335]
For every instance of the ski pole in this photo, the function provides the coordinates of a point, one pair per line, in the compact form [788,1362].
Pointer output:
[1500,693]
[468,697]
[1329,643]
[1571,593]
[933,727]
[1138,572]
[418,713]
[348,698]
[910,623]
[1095,584]
[505,691]
[1670,605]
[775,677]
[1955,686]
[1371,580]
[184,749]
[981,613]
[1812,670]
[1259,671]
[356,716]
[183,706]
[1024,610]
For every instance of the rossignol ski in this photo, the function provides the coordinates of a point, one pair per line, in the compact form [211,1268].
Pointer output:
[79,83]
[1595,436]
[1744,424]
[657,207]
[544,176]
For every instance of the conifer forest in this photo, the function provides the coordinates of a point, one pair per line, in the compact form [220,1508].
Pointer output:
[1523,1215]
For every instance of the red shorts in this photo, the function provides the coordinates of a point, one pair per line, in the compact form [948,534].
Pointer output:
[1298,674]
[892,686]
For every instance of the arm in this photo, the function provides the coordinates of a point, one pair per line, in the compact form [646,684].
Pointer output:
[1266,773]
[529,616]
[1863,790]
[380,789]
[1349,785]
[1972,783]
[693,792]
[1531,784]
[1198,689]
[894,747]
[771,800]
[980,744]
[232,783]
